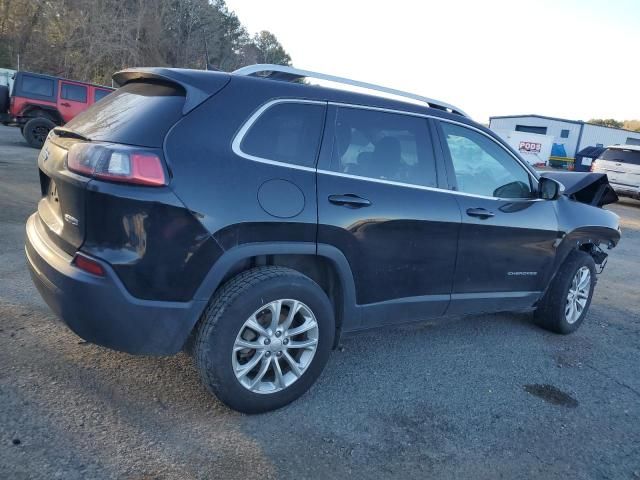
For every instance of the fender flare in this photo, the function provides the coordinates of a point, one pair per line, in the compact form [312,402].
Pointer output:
[223,265]
[52,113]
[595,234]
[578,237]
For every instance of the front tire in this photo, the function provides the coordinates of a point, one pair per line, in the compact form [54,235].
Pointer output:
[567,300]
[264,339]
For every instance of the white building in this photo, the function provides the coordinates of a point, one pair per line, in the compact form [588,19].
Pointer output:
[6,77]
[572,135]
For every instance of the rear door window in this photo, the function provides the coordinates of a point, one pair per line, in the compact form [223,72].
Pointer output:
[383,146]
[621,156]
[286,132]
[37,86]
[73,92]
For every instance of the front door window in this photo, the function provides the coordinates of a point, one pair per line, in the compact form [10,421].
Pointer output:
[484,168]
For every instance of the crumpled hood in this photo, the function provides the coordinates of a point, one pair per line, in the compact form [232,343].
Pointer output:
[586,187]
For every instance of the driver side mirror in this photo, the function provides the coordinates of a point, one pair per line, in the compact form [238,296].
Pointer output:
[550,189]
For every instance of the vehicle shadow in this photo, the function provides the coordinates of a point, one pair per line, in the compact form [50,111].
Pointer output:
[628,202]
[391,401]
[162,383]
[95,403]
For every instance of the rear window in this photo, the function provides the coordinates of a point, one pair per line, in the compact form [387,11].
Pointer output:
[621,156]
[286,132]
[37,86]
[76,93]
[100,94]
[135,114]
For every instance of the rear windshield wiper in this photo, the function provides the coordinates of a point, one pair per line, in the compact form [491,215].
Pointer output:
[68,133]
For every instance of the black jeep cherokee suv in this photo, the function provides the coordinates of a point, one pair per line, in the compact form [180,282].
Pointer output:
[254,219]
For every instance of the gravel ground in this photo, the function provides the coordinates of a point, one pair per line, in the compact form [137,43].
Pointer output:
[477,397]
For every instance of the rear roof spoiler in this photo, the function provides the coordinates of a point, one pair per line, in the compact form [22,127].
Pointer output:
[197,84]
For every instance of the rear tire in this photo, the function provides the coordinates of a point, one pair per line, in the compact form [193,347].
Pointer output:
[285,363]
[567,300]
[36,130]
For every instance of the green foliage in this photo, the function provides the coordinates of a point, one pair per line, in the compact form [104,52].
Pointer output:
[633,125]
[89,39]
[269,49]
[606,122]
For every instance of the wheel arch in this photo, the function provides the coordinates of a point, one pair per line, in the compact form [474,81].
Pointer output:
[588,239]
[324,264]
[35,110]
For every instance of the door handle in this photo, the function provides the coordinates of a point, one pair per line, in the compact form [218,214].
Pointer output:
[65,104]
[349,200]
[481,213]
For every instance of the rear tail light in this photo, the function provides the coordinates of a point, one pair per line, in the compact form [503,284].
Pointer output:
[88,265]
[593,166]
[117,164]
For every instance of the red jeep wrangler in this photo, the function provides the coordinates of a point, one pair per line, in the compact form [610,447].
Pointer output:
[38,103]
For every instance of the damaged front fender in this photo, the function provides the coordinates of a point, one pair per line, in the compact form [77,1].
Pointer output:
[585,187]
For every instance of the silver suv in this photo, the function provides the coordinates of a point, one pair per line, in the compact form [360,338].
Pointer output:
[621,163]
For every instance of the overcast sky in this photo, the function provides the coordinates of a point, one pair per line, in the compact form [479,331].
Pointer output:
[575,59]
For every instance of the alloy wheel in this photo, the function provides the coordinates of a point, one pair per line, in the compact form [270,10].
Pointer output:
[578,295]
[40,134]
[275,346]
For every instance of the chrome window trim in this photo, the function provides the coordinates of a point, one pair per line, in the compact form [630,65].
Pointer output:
[423,187]
[237,141]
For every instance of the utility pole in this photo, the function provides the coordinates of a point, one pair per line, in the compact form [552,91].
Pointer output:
[207,66]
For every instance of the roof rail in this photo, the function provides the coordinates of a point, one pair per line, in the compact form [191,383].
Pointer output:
[282,72]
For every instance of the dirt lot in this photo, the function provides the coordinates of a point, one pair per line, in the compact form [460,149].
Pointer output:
[477,397]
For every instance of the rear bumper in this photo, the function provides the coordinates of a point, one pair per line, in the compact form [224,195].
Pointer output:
[99,309]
